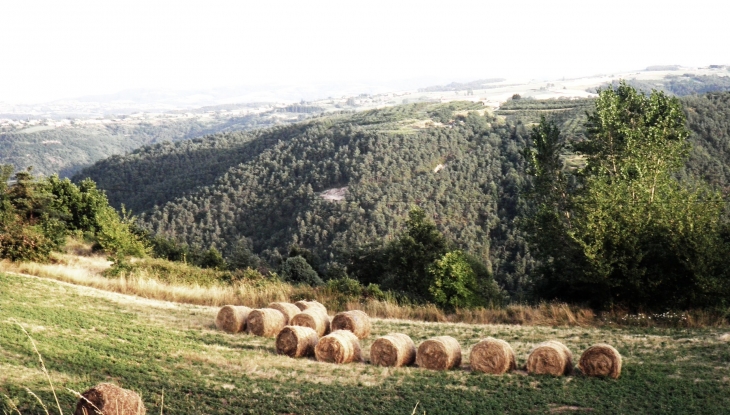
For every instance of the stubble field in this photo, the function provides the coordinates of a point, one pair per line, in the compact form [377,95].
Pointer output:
[175,358]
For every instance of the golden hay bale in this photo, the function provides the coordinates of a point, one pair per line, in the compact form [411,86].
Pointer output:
[289,310]
[439,353]
[110,399]
[313,318]
[395,349]
[306,305]
[493,356]
[232,318]
[296,341]
[601,360]
[266,322]
[355,321]
[550,358]
[340,346]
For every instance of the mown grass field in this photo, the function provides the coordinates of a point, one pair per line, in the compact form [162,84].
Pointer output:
[87,336]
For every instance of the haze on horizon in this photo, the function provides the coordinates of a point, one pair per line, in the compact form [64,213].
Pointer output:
[53,50]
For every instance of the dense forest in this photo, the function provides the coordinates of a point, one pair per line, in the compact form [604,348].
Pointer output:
[261,192]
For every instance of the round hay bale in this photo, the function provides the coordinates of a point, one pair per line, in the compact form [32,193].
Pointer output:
[306,305]
[340,346]
[110,399]
[266,322]
[355,321]
[439,353]
[313,318]
[395,349]
[601,360]
[232,318]
[550,358]
[289,310]
[296,341]
[493,356]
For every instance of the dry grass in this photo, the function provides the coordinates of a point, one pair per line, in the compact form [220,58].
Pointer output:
[88,269]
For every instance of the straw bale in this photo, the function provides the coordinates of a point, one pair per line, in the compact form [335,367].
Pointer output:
[493,356]
[313,318]
[232,318]
[296,341]
[289,310]
[266,322]
[395,349]
[550,358]
[355,321]
[110,399]
[601,360]
[305,305]
[439,353]
[340,346]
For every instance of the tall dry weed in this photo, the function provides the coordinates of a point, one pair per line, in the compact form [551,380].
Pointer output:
[144,282]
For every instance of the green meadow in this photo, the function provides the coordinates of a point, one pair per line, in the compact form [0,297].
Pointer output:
[175,358]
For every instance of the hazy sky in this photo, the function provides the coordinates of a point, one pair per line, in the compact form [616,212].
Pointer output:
[64,48]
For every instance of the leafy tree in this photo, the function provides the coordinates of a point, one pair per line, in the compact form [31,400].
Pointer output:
[115,234]
[411,255]
[630,233]
[297,270]
[454,282]
[242,255]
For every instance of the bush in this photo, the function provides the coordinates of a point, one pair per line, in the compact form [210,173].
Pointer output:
[346,286]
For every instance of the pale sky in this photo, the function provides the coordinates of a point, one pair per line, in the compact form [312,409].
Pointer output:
[51,49]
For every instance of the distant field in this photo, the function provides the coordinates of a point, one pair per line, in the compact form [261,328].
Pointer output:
[36,129]
[88,336]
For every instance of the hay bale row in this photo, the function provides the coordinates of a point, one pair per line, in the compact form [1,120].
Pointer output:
[340,346]
[289,310]
[439,353]
[355,321]
[395,349]
[106,398]
[296,341]
[313,318]
[232,318]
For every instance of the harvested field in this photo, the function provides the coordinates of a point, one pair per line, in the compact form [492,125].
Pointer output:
[157,348]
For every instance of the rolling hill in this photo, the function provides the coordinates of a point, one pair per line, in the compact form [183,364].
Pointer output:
[460,163]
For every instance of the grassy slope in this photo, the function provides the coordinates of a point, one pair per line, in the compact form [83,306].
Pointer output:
[88,336]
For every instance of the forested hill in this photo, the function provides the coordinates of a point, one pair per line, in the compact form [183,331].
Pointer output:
[462,165]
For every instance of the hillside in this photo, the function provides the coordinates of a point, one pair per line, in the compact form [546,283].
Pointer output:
[175,358]
[462,165]
[66,146]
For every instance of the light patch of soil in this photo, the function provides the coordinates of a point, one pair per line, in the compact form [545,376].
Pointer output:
[423,124]
[335,194]
[554,409]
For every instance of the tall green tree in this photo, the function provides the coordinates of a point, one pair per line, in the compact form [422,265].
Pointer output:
[630,233]
[411,255]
